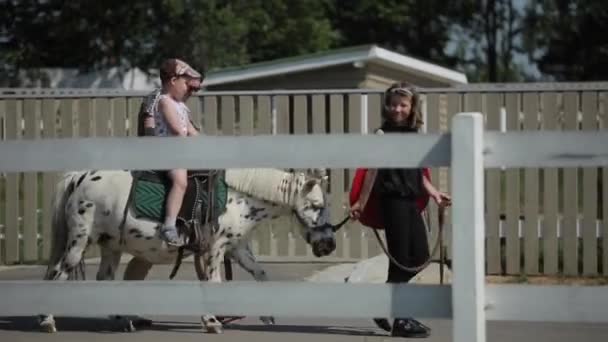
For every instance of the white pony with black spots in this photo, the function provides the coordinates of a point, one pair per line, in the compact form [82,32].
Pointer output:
[89,208]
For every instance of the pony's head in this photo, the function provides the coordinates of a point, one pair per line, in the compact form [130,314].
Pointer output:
[311,208]
[302,192]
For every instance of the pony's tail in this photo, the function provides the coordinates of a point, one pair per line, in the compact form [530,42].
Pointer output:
[59,228]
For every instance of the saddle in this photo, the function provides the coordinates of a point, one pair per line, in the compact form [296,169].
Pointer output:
[204,201]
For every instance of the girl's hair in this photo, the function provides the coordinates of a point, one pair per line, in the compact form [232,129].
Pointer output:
[404,89]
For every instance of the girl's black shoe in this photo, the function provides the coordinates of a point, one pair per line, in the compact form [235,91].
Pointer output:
[383,324]
[409,328]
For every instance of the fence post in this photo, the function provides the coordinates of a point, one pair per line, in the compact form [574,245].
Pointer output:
[468,228]
[364,113]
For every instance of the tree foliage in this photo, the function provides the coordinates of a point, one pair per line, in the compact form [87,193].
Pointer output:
[417,28]
[567,38]
[486,39]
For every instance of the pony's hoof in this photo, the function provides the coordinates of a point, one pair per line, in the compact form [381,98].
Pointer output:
[48,328]
[127,326]
[268,320]
[215,329]
[47,325]
[212,326]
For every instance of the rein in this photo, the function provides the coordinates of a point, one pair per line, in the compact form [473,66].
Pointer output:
[339,225]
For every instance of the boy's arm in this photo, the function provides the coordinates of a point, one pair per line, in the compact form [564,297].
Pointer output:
[170,114]
[192,131]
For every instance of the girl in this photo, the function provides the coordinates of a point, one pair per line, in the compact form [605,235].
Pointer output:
[171,118]
[398,190]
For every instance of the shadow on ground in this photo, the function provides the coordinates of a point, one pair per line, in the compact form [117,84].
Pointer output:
[106,325]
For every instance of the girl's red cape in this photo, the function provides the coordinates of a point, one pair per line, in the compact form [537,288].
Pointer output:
[370,216]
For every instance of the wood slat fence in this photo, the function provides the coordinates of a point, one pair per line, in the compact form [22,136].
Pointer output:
[539,221]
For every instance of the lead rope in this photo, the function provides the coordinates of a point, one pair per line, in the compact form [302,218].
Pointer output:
[439,241]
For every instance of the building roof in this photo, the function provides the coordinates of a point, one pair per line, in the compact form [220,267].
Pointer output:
[358,54]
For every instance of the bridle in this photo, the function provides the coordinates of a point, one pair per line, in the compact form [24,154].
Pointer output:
[320,228]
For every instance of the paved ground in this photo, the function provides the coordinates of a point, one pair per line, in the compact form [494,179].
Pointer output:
[250,329]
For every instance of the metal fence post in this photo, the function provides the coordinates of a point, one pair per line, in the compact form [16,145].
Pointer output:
[468,228]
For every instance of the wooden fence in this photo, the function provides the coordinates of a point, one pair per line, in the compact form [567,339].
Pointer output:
[538,221]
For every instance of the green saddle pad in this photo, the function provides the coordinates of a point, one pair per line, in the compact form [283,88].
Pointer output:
[149,199]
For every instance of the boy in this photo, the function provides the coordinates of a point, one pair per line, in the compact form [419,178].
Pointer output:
[171,117]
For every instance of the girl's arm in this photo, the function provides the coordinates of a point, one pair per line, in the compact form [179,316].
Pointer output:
[440,198]
[170,113]
[366,189]
[368,184]
[428,186]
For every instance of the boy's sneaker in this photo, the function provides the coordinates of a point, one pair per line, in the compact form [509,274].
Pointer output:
[170,236]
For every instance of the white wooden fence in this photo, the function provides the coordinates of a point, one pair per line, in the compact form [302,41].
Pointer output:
[467,149]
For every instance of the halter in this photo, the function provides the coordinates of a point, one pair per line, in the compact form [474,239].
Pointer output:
[319,228]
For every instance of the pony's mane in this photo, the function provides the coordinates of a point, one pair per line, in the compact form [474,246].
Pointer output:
[276,186]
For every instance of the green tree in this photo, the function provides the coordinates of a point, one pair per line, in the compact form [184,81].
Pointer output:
[61,33]
[417,28]
[55,33]
[206,33]
[488,36]
[139,33]
[280,28]
[567,38]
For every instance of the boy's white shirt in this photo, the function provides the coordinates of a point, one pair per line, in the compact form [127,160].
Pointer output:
[151,106]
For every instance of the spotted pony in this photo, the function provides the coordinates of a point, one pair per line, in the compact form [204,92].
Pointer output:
[90,207]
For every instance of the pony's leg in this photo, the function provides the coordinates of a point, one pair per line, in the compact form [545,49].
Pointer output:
[109,263]
[106,272]
[137,269]
[80,224]
[214,262]
[210,323]
[243,255]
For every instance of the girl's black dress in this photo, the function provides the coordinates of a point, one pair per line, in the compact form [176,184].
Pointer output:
[405,231]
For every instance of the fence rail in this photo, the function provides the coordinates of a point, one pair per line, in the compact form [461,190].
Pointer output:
[551,216]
